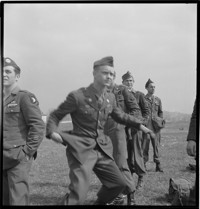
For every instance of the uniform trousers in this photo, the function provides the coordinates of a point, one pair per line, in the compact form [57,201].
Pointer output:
[16,184]
[135,153]
[155,144]
[120,155]
[80,175]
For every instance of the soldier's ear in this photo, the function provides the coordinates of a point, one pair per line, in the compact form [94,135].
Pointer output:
[17,76]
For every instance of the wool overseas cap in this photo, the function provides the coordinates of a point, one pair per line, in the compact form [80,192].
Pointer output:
[9,62]
[148,82]
[127,75]
[104,61]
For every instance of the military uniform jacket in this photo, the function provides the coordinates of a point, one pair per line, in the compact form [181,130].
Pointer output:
[192,126]
[88,120]
[155,107]
[126,102]
[144,108]
[22,122]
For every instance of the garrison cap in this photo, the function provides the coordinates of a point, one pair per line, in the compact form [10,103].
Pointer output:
[104,61]
[9,62]
[148,82]
[127,75]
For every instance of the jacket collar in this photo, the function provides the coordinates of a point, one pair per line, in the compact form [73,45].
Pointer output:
[132,90]
[92,96]
[150,98]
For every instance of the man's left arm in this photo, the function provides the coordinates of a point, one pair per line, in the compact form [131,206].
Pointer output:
[35,125]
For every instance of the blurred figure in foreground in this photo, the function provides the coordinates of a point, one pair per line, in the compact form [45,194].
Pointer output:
[191,148]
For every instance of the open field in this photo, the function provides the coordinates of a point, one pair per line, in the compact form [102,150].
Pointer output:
[49,173]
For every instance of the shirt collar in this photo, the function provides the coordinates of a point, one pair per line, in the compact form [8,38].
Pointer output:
[149,96]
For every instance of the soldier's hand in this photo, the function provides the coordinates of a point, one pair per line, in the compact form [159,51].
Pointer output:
[56,138]
[147,131]
[191,148]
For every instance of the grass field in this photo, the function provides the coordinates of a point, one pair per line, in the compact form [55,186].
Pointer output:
[49,174]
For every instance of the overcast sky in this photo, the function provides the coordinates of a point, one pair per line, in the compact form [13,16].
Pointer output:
[56,45]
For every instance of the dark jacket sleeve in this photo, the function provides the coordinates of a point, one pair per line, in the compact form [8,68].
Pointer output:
[126,119]
[192,126]
[33,118]
[68,106]
[144,107]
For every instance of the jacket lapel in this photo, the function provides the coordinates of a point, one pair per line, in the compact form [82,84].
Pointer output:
[90,98]
[12,96]
[106,101]
[8,100]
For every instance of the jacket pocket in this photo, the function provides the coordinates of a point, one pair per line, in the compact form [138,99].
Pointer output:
[12,157]
[86,110]
[12,116]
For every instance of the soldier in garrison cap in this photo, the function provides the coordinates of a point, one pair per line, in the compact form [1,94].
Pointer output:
[155,107]
[134,136]
[116,131]
[23,131]
[88,148]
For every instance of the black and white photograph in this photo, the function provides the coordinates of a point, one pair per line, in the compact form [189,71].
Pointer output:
[99,103]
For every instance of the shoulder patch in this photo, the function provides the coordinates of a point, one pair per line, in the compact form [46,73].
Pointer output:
[33,99]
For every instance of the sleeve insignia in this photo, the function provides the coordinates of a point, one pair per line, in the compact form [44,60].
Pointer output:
[8,60]
[33,99]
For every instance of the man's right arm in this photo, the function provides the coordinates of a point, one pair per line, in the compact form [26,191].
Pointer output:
[68,106]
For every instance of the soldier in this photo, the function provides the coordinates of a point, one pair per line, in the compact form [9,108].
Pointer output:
[23,131]
[135,152]
[128,103]
[88,148]
[155,107]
